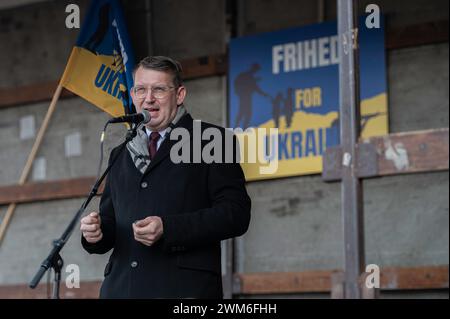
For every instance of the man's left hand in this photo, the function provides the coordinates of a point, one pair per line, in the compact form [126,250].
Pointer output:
[148,231]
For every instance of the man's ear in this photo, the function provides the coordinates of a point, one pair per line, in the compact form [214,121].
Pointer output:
[181,94]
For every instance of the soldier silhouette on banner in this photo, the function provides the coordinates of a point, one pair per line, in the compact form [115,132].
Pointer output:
[245,85]
[288,109]
[276,108]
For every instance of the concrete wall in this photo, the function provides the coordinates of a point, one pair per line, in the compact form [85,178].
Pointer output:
[296,222]
[35,35]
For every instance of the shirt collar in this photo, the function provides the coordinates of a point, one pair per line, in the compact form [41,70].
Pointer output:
[161,133]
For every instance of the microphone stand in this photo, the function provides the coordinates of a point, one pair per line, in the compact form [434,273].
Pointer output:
[54,259]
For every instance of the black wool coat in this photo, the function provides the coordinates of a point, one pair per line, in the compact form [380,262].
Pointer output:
[200,204]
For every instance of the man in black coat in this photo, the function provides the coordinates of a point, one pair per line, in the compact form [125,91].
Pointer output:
[164,211]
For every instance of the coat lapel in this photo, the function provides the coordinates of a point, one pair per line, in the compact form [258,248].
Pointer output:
[164,150]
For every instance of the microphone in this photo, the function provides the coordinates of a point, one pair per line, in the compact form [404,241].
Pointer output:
[136,118]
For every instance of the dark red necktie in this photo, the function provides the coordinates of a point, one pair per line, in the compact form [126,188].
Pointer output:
[153,143]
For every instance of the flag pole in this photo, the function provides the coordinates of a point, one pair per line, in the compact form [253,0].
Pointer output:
[31,157]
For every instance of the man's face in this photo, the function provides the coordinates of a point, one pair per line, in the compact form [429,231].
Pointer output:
[162,107]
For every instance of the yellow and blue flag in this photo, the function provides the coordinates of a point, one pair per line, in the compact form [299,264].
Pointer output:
[101,63]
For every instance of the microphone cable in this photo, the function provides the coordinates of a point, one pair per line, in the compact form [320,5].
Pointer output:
[102,139]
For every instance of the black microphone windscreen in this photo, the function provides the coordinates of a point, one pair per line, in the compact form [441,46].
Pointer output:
[147,116]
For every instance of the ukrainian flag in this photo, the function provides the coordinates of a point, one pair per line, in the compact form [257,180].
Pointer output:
[101,63]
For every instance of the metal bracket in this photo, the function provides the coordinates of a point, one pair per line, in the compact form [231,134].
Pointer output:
[367,160]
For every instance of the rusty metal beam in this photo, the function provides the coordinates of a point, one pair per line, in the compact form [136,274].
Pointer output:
[284,282]
[227,273]
[411,152]
[87,290]
[418,34]
[32,93]
[351,189]
[392,279]
[393,154]
[43,191]
[212,65]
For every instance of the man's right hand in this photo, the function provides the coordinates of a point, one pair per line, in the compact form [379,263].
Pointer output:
[90,228]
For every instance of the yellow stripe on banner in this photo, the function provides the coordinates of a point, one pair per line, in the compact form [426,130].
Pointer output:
[374,116]
[303,143]
[96,79]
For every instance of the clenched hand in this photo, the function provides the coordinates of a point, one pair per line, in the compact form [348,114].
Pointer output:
[148,230]
[90,227]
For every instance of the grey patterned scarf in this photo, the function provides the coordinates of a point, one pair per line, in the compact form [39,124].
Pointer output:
[138,146]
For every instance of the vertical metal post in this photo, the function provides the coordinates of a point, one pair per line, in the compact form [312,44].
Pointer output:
[227,268]
[241,9]
[227,245]
[235,13]
[351,194]
[149,26]
[321,11]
